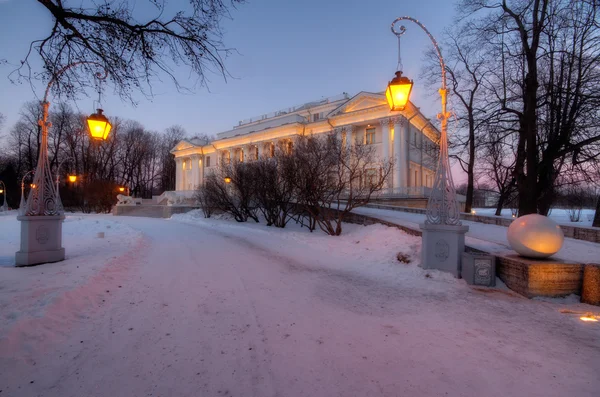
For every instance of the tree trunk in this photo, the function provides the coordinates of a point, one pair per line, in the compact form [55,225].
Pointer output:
[597,216]
[470,166]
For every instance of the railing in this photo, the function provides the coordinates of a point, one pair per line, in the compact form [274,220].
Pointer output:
[292,109]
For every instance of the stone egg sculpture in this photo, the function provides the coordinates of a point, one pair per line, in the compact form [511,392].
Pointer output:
[535,236]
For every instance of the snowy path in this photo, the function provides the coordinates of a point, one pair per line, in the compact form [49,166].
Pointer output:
[213,308]
[491,238]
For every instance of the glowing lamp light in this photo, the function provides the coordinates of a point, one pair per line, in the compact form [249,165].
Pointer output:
[121,189]
[1,191]
[227,179]
[72,178]
[473,212]
[99,125]
[589,318]
[33,185]
[398,92]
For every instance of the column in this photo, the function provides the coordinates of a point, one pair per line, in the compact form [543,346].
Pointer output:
[399,167]
[404,151]
[194,158]
[349,129]
[202,165]
[385,139]
[261,148]
[178,173]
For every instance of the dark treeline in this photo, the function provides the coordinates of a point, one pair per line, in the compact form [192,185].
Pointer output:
[132,157]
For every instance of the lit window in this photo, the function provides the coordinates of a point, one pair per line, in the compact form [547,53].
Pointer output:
[289,147]
[208,161]
[240,155]
[370,136]
[255,152]
[271,149]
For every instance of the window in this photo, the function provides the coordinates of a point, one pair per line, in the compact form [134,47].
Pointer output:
[371,177]
[271,149]
[207,161]
[416,183]
[289,147]
[254,152]
[316,117]
[225,157]
[240,155]
[370,136]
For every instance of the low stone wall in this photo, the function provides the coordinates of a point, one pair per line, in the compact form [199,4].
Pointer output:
[528,277]
[591,234]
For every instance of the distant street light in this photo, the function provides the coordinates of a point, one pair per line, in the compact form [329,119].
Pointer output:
[4,192]
[227,179]
[58,201]
[72,178]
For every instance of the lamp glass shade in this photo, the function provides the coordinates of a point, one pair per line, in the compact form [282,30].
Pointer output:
[398,91]
[1,191]
[99,125]
[72,178]
[33,185]
[121,189]
[227,179]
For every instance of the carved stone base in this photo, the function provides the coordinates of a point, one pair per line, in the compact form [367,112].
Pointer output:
[442,247]
[41,240]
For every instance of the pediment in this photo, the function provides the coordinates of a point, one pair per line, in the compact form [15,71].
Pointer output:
[361,101]
[182,145]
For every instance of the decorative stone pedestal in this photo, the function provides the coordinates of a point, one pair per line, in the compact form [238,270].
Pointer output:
[442,247]
[41,240]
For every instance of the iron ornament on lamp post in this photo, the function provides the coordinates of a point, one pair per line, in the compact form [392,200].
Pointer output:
[443,233]
[41,216]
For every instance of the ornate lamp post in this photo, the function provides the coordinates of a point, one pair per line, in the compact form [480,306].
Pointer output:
[42,215]
[3,191]
[443,234]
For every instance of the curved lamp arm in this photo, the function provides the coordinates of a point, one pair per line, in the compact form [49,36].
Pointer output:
[55,77]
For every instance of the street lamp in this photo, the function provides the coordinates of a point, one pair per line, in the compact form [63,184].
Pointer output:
[443,233]
[72,178]
[99,125]
[227,179]
[42,216]
[3,191]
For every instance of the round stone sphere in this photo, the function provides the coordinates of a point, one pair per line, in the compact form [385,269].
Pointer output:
[535,236]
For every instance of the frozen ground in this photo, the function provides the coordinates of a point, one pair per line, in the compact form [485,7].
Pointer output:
[490,238]
[194,307]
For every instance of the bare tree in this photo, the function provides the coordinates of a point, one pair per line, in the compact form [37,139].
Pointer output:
[332,180]
[134,51]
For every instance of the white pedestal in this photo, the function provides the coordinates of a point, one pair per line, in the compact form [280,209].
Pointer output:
[442,247]
[41,240]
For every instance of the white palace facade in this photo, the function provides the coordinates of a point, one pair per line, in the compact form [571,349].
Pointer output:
[408,137]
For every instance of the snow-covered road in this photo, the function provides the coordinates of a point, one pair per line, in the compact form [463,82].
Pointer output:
[213,308]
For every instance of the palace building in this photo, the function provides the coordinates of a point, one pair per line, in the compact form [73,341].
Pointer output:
[408,137]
